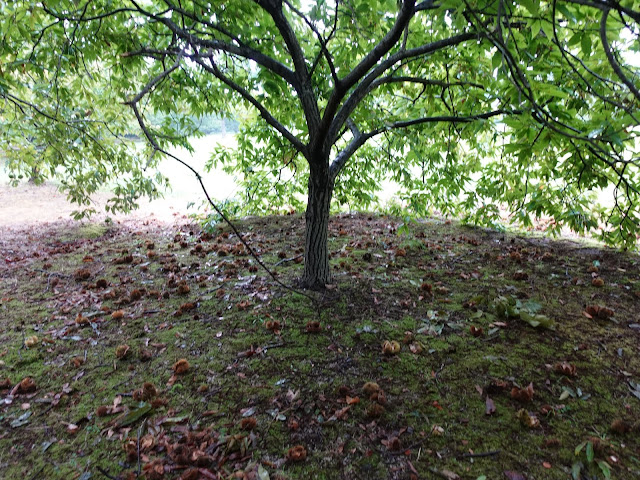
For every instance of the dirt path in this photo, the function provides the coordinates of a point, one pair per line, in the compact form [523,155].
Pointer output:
[28,205]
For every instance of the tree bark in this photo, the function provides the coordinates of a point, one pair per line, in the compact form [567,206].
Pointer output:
[316,253]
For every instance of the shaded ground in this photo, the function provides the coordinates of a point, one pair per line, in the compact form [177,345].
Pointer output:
[163,351]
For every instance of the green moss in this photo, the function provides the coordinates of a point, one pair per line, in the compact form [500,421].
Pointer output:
[297,374]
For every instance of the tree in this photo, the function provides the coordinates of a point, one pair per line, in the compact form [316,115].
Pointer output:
[468,105]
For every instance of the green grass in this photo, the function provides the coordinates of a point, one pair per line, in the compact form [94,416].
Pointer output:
[305,388]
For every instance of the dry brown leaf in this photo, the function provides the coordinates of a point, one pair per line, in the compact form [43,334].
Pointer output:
[565,368]
[313,327]
[523,395]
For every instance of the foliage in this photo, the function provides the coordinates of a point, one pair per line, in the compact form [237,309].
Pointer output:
[469,106]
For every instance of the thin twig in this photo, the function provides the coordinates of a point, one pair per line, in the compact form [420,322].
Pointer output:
[285,260]
[105,473]
[482,454]
[138,444]
[37,474]
[157,148]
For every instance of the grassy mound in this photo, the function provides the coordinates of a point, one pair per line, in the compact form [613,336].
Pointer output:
[444,352]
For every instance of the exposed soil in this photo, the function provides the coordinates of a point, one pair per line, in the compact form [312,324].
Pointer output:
[29,205]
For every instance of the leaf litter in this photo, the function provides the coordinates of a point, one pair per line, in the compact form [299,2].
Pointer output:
[163,350]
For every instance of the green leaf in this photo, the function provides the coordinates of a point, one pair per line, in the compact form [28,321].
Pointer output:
[547,28]
[531,5]
[136,414]
[585,43]
[589,452]
[262,473]
[576,469]
[605,468]
[537,320]
[532,306]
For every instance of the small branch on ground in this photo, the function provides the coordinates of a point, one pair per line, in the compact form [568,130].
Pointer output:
[285,260]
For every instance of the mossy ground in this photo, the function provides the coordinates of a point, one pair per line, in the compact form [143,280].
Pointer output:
[185,294]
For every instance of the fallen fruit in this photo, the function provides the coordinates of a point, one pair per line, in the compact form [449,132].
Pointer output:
[297,454]
[390,347]
[181,366]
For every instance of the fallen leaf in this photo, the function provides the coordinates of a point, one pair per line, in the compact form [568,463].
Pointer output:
[449,475]
[262,473]
[490,407]
[565,368]
[527,419]
[522,394]
[513,475]
[135,414]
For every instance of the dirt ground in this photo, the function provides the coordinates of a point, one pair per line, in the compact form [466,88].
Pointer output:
[28,205]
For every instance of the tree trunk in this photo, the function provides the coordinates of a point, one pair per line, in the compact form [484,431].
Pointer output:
[316,253]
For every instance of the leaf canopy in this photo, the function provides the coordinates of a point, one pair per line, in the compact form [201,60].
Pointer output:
[470,107]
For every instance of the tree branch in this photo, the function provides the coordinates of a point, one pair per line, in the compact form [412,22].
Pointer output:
[156,148]
[427,5]
[360,139]
[86,19]
[421,81]
[157,79]
[363,87]
[383,47]
[608,4]
[197,19]
[323,43]
[218,45]
[612,61]
[244,93]
[304,87]
[565,54]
